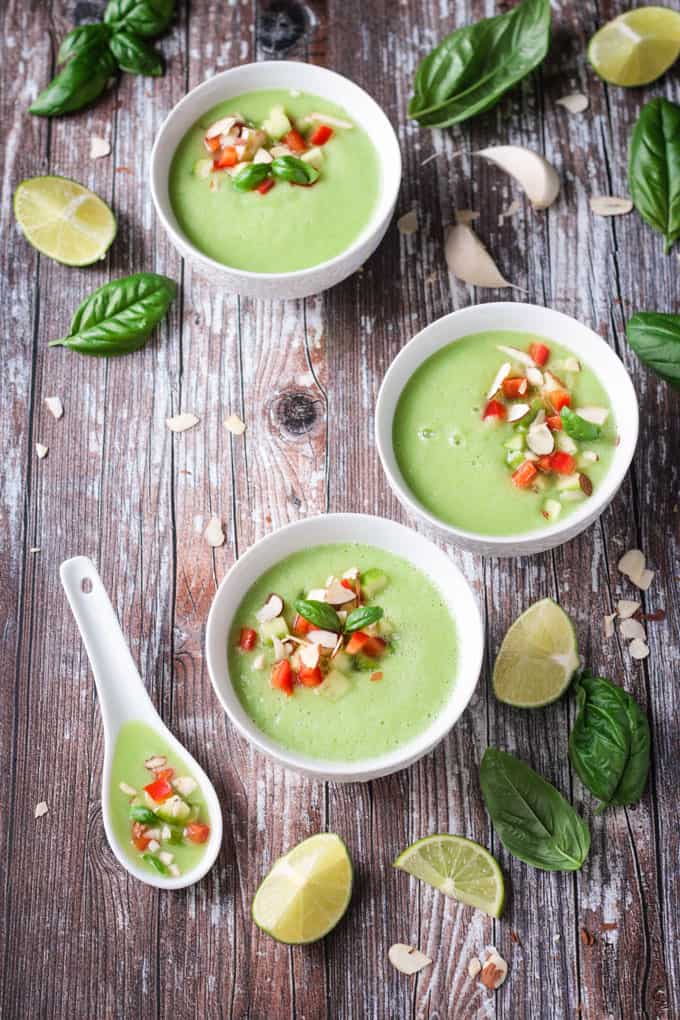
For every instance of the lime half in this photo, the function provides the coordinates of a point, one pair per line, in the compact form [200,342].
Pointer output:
[307,891]
[637,47]
[538,657]
[64,220]
[458,867]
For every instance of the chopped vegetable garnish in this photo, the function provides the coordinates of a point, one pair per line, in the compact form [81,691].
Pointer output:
[540,353]
[563,463]
[159,790]
[524,475]
[282,676]
[197,832]
[321,135]
[248,639]
[494,409]
[295,141]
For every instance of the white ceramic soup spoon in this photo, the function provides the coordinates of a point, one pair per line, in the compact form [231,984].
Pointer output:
[123,699]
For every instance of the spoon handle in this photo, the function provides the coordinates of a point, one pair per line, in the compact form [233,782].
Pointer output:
[121,692]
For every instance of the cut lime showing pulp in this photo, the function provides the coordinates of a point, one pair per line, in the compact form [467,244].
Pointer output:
[307,891]
[637,47]
[64,220]
[458,867]
[538,657]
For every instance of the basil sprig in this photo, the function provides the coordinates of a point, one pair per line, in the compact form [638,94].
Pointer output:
[655,338]
[290,168]
[654,167]
[473,67]
[362,617]
[156,863]
[92,54]
[609,745]
[139,813]
[577,427]
[533,820]
[251,177]
[119,316]
[319,613]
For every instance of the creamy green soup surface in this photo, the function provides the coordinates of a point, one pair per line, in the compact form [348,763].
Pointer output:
[470,465]
[283,227]
[386,683]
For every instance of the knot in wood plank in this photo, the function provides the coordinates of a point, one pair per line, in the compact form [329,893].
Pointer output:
[296,412]
[280,26]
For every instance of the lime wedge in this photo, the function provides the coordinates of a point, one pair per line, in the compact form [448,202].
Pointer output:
[64,220]
[538,657]
[307,891]
[637,47]
[458,867]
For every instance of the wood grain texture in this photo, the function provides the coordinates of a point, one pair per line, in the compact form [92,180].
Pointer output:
[79,939]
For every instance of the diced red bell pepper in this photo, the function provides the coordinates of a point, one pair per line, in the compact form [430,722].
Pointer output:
[559,399]
[346,583]
[356,642]
[563,463]
[213,144]
[228,157]
[295,141]
[554,422]
[539,352]
[282,677]
[197,832]
[310,677]
[159,790]
[301,627]
[139,837]
[247,639]
[266,185]
[374,647]
[524,475]
[321,135]
[494,409]
[376,677]
[516,386]
[544,464]
[166,774]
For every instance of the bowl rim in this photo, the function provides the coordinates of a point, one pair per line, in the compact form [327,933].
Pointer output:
[366,768]
[581,517]
[383,208]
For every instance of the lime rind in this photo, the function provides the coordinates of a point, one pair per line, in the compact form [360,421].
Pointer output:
[459,868]
[64,220]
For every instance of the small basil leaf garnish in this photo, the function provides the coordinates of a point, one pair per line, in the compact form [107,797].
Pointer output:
[320,614]
[80,82]
[119,316]
[155,863]
[577,427]
[143,17]
[290,168]
[81,37]
[251,176]
[533,820]
[139,813]
[609,745]
[654,167]
[362,617]
[134,55]
[655,338]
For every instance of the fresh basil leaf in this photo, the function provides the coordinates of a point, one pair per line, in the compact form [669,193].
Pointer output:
[134,55]
[320,614]
[655,338]
[362,617]
[82,80]
[139,813]
[533,820]
[80,38]
[609,745]
[474,66]
[577,427]
[119,316]
[290,168]
[156,863]
[654,167]
[251,176]
[143,17]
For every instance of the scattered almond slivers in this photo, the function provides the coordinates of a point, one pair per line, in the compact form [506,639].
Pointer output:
[213,534]
[408,223]
[234,425]
[517,411]
[632,629]
[610,205]
[501,375]
[158,761]
[632,564]
[40,809]
[638,649]
[325,638]
[474,966]
[494,971]
[41,451]
[337,595]
[128,790]
[181,422]
[576,102]
[54,406]
[609,625]
[626,608]
[406,959]
[272,608]
[535,175]
[99,147]
[310,655]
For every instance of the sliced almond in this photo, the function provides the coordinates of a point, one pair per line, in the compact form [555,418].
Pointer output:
[609,625]
[185,785]
[99,147]
[534,375]
[153,845]
[351,574]
[521,356]
[575,102]
[181,422]
[280,150]
[41,809]
[596,415]
[632,564]
[281,649]
[627,608]
[501,375]
[128,790]
[638,649]
[174,871]
[632,630]
[310,655]
[610,205]
[272,608]
[316,595]
[590,457]
[223,126]
[166,858]
[406,959]
[469,261]
[644,580]
[157,761]
[494,972]
[474,966]
[337,594]
[213,534]
[259,661]
[325,638]
[326,118]
[41,450]
[540,439]
[262,156]
[517,411]
[54,406]
[408,223]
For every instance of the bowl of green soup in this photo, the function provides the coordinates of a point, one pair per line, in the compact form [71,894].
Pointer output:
[345,646]
[276,179]
[508,426]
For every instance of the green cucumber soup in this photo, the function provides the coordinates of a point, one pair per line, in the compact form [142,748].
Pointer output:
[274,181]
[158,811]
[503,432]
[360,657]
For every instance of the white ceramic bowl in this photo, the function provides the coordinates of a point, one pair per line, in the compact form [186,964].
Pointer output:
[383,534]
[586,345]
[285,74]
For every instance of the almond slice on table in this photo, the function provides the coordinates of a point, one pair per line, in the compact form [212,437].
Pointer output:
[99,147]
[408,223]
[632,564]
[632,630]
[501,375]
[181,422]
[575,102]
[325,638]
[40,809]
[644,580]
[213,534]
[41,450]
[609,625]
[406,959]
[54,406]
[627,608]
[474,966]
[638,649]
[610,205]
[272,608]
[494,971]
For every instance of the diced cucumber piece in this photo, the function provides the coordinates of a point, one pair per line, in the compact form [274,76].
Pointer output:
[565,443]
[203,167]
[314,157]
[385,628]
[551,509]
[335,686]
[174,809]
[277,124]
[514,458]
[342,662]
[515,442]
[569,483]
[270,629]
[372,582]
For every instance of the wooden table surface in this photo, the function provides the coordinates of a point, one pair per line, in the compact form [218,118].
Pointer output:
[79,938]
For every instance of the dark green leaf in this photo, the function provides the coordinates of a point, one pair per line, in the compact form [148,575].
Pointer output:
[655,338]
[119,317]
[319,613]
[80,38]
[83,79]
[139,813]
[362,617]
[251,176]
[609,745]
[533,820]
[290,168]
[474,66]
[155,863]
[577,427]
[654,167]
[143,17]
[134,55]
